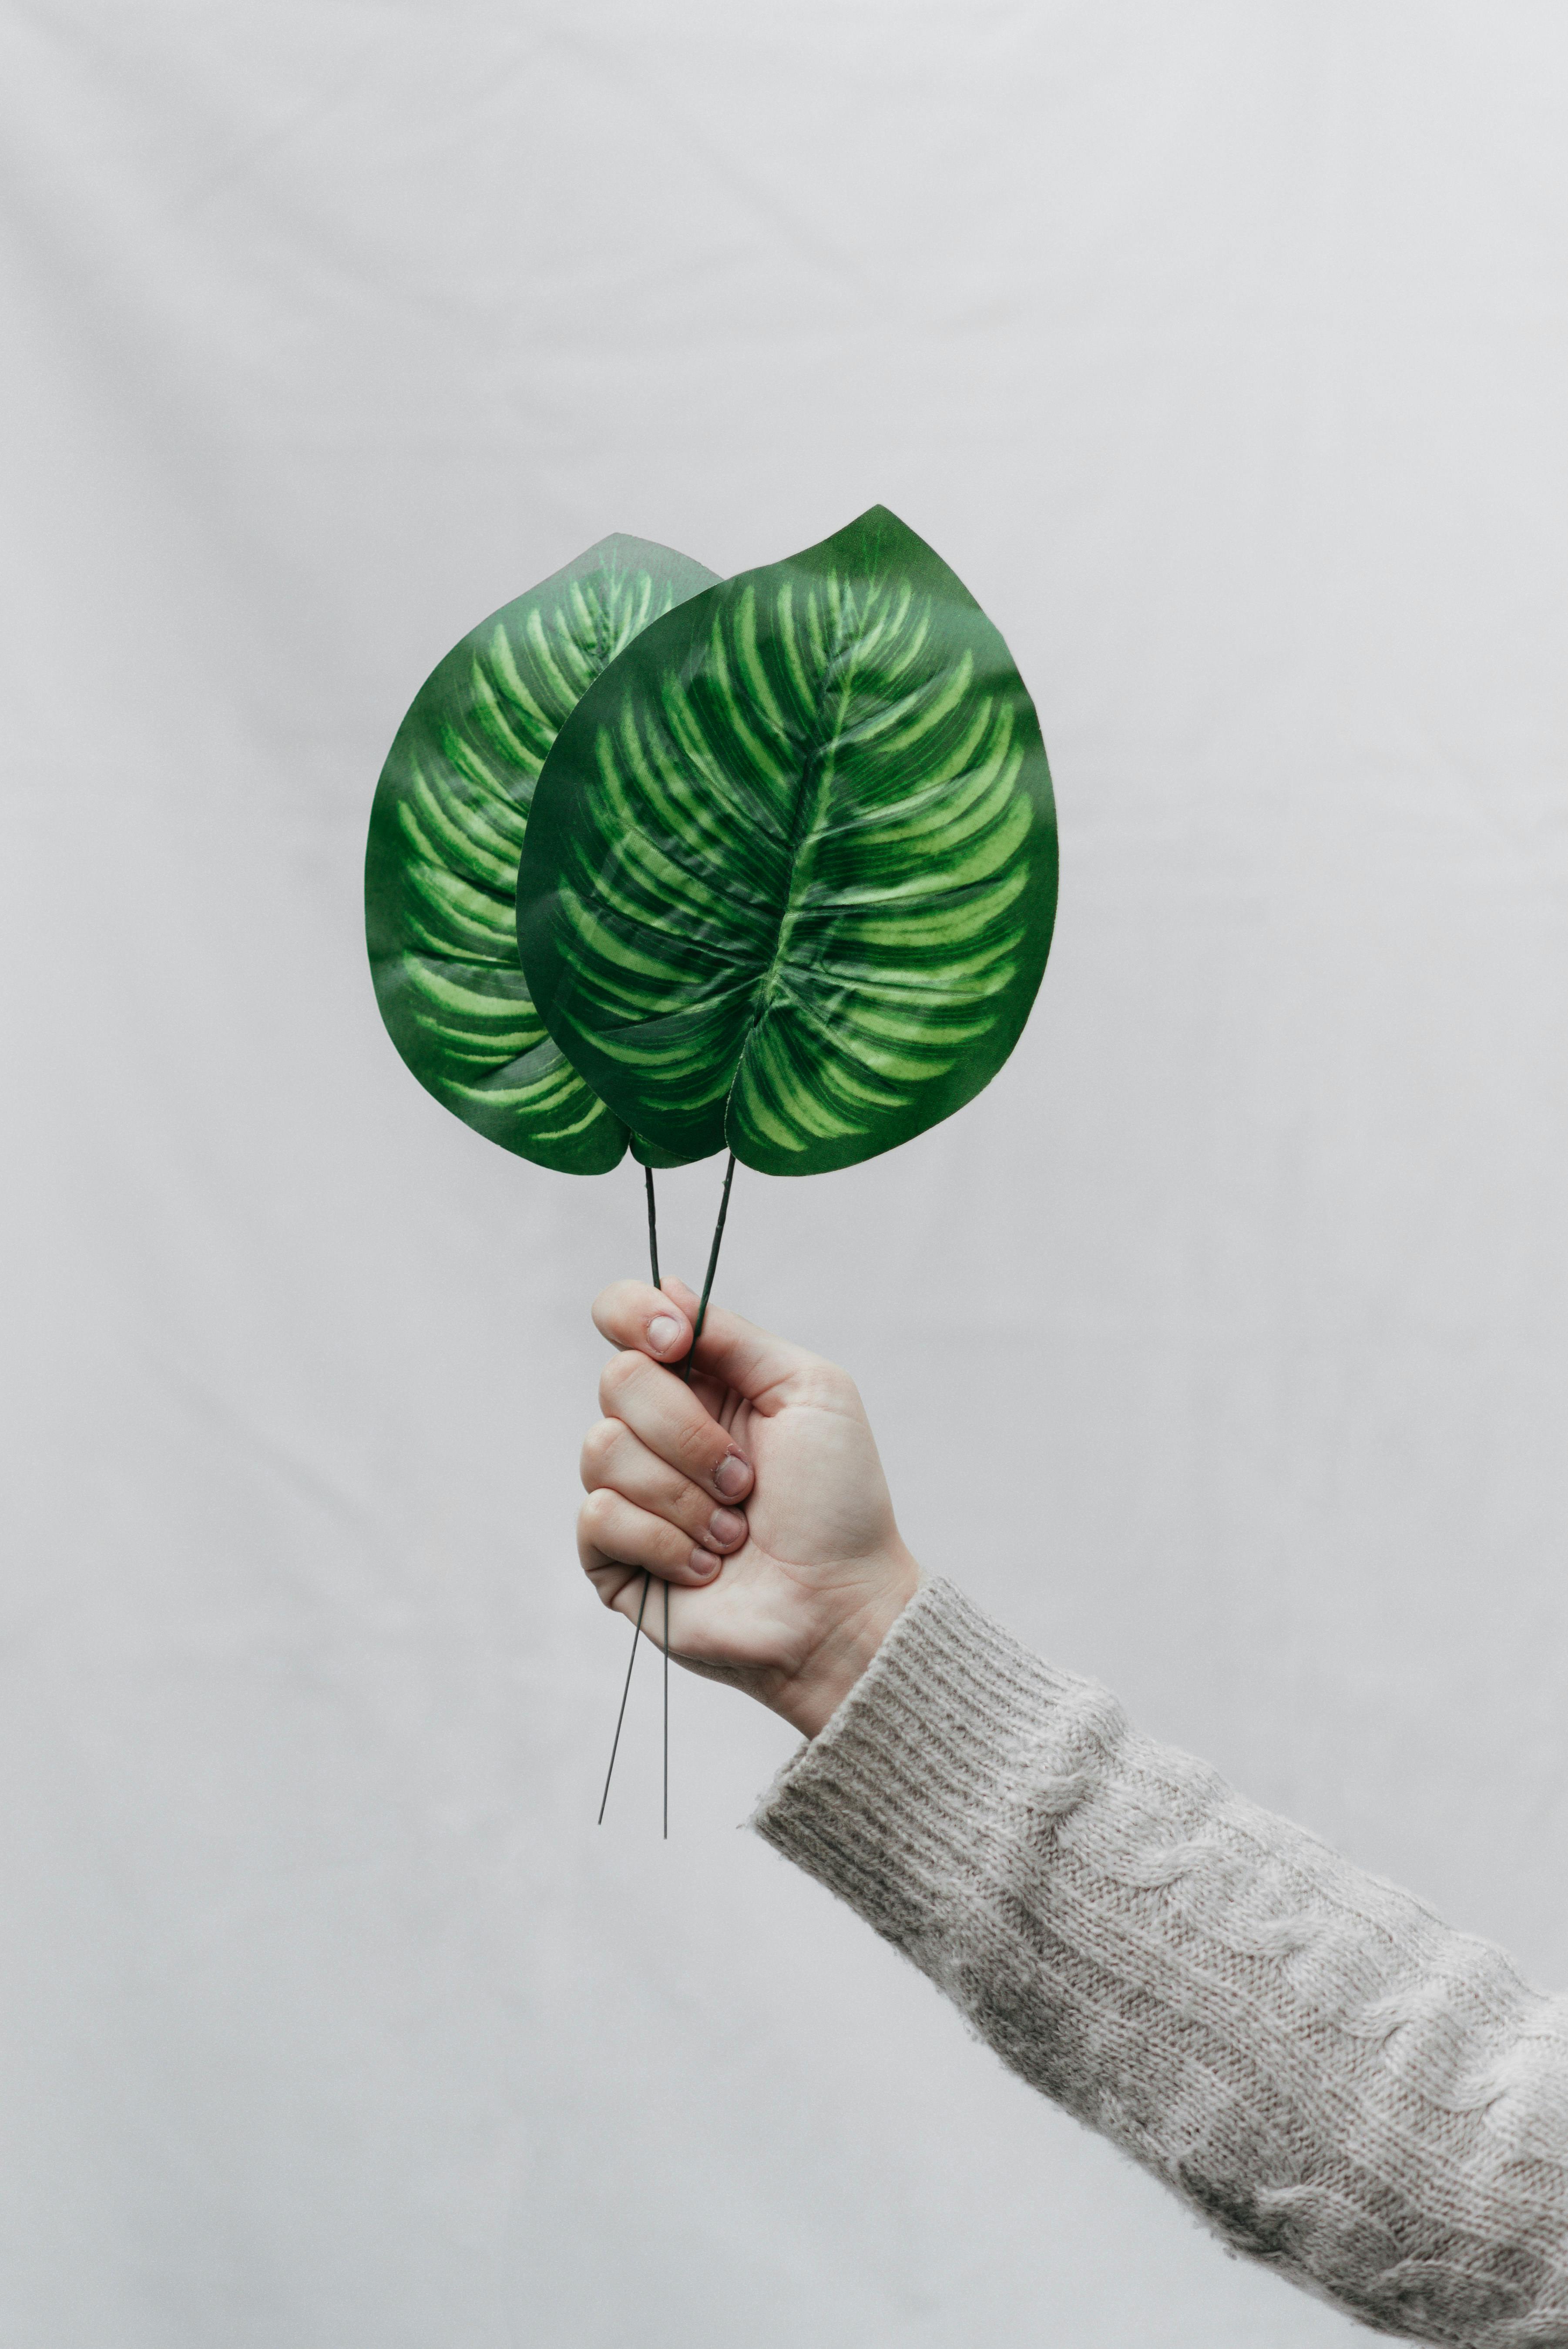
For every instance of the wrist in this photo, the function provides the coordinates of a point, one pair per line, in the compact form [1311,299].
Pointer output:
[811,1696]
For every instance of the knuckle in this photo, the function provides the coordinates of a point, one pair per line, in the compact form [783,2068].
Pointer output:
[604,1304]
[598,1451]
[618,1378]
[595,1514]
[610,1304]
[696,1447]
[686,1502]
[674,1548]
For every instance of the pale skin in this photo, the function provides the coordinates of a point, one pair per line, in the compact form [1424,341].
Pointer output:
[754,1497]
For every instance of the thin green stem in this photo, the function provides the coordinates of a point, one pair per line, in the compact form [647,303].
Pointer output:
[686,1374]
[626,1691]
[713,1268]
[652,1229]
[648,1579]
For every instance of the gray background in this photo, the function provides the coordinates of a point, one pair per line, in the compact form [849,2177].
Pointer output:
[1220,1345]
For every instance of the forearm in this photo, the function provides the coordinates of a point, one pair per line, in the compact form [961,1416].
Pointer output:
[1343,2088]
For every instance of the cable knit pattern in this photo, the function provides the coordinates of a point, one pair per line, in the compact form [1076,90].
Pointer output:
[1344,2088]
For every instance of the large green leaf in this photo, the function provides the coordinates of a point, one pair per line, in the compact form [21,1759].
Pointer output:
[447,828]
[791,874]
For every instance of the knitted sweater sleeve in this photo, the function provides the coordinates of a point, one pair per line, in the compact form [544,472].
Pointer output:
[1344,2088]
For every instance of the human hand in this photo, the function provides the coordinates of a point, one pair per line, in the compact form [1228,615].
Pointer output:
[755,1494]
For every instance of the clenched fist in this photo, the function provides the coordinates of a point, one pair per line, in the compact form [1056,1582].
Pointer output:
[754,1497]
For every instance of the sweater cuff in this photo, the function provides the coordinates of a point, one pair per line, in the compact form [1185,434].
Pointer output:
[897,1805]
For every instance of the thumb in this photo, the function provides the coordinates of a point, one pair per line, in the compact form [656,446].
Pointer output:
[734,1350]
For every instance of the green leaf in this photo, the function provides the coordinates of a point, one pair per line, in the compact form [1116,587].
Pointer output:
[450,817]
[791,875]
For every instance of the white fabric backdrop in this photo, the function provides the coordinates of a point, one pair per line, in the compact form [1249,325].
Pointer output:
[1220,1345]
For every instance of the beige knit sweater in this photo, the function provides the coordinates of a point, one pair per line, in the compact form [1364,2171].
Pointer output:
[1371,2104]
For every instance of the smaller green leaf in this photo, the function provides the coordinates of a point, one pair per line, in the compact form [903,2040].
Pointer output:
[450,818]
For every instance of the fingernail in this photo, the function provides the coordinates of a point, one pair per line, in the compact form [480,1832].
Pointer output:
[662,1332]
[732,1475]
[726,1528]
[703,1562]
